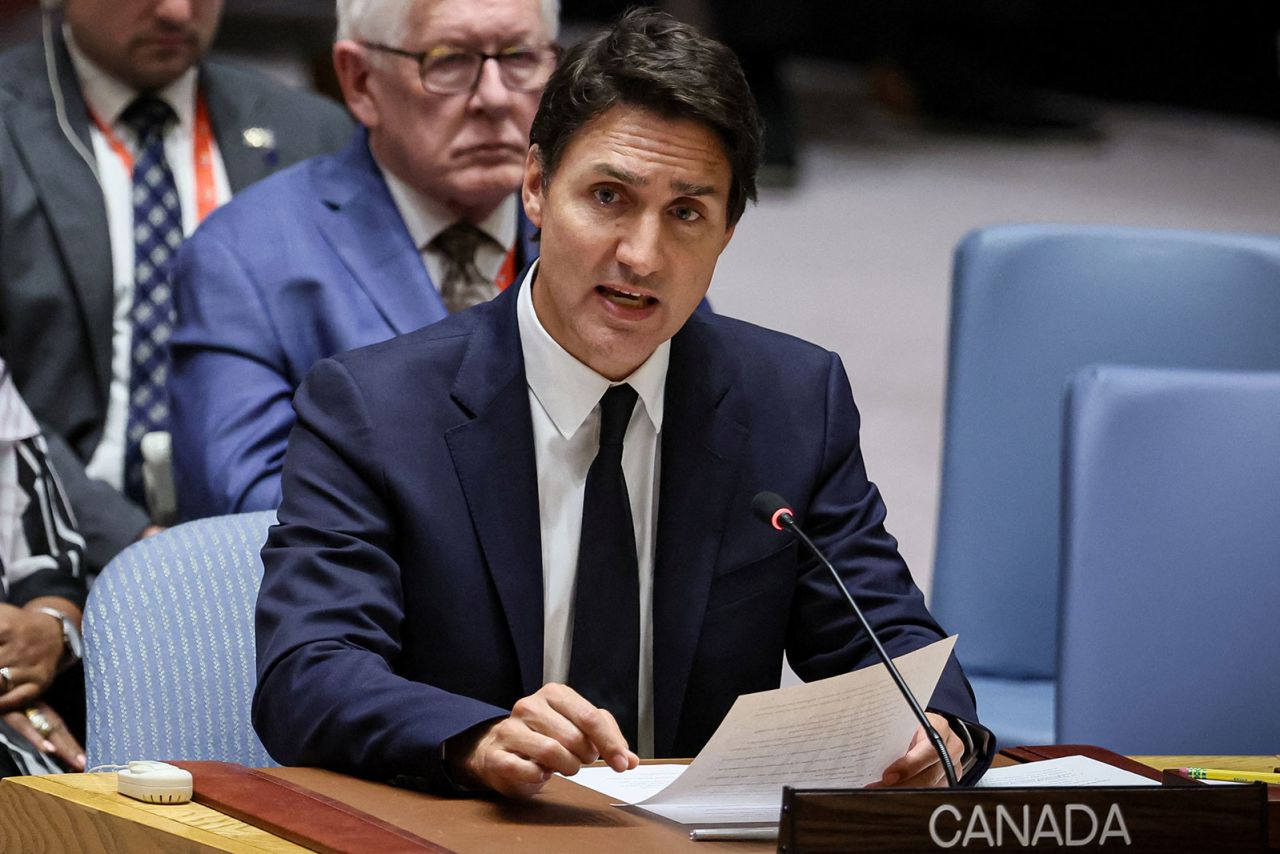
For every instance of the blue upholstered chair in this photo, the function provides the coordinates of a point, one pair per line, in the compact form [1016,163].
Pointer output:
[1030,306]
[169,648]
[1171,562]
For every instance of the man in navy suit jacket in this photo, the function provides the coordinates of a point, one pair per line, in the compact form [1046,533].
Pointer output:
[342,251]
[423,593]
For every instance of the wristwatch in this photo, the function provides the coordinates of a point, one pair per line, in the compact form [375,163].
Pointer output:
[72,645]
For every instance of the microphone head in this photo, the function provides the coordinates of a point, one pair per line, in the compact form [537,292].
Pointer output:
[771,507]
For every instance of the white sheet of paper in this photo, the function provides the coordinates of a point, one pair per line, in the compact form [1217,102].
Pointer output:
[629,786]
[843,731]
[1066,771]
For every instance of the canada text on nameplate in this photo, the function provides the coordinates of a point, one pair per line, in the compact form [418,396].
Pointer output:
[1134,820]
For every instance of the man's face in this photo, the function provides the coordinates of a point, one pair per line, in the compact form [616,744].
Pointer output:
[465,151]
[144,43]
[633,220]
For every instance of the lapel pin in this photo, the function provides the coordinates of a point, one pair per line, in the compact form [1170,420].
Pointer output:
[263,140]
[259,137]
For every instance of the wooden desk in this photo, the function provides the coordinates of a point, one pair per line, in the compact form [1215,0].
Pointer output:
[83,812]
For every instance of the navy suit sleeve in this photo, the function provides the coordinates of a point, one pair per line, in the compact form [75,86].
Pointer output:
[230,388]
[331,607]
[845,517]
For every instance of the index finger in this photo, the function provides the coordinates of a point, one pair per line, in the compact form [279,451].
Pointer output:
[19,697]
[598,725]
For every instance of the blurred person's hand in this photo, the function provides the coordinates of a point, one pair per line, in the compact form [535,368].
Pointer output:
[60,743]
[31,646]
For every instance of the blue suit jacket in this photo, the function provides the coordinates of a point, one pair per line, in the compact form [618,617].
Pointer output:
[309,263]
[402,596]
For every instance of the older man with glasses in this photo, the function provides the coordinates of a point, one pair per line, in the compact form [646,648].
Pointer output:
[417,218]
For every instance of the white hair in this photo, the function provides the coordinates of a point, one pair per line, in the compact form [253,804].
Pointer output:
[386,20]
[373,20]
[551,17]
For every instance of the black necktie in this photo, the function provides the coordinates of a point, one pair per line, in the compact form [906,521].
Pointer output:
[604,665]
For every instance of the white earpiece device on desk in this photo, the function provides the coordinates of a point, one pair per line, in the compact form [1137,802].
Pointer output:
[155,782]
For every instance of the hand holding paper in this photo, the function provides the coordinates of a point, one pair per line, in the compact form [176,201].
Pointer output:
[839,732]
[920,766]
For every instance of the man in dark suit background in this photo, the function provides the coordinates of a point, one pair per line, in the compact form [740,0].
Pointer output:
[520,539]
[417,217]
[68,245]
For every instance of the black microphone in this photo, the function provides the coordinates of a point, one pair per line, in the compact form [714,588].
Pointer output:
[773,509]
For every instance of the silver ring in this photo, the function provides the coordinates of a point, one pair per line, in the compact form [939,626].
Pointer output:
[6,675]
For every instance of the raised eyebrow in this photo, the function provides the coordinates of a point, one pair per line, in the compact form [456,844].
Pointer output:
[622,175]
[684,188]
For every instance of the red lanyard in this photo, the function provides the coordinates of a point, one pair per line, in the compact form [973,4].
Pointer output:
[206,186]
[507,274]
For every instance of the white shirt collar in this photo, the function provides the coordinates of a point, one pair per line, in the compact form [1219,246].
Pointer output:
[108,97]
[569,390]
[16,420]
[425,218]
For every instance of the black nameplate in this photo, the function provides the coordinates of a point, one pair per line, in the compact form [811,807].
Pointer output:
[1130,819]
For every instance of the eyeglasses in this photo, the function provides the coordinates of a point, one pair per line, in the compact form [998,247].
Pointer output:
[451,70]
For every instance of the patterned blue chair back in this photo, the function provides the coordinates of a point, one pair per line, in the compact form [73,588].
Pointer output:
[169,646]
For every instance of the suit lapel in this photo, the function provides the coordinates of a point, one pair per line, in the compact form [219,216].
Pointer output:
[72,201]
[246,140]
[360,221]
[701,456]
[494,458]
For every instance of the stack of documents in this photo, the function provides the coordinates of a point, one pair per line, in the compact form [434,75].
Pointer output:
[1067,771]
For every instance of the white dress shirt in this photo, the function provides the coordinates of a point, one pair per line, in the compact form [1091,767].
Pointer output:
[425,218]
[107,98]
[564,400]
[16,423]
[36,505]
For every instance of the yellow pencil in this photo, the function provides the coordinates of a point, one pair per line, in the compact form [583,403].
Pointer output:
[1231,776]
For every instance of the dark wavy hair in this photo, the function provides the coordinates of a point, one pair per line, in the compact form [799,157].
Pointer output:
[650,60]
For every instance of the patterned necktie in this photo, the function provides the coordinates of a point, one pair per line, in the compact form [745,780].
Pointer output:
[604,665]
[464,285]
[157,232]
